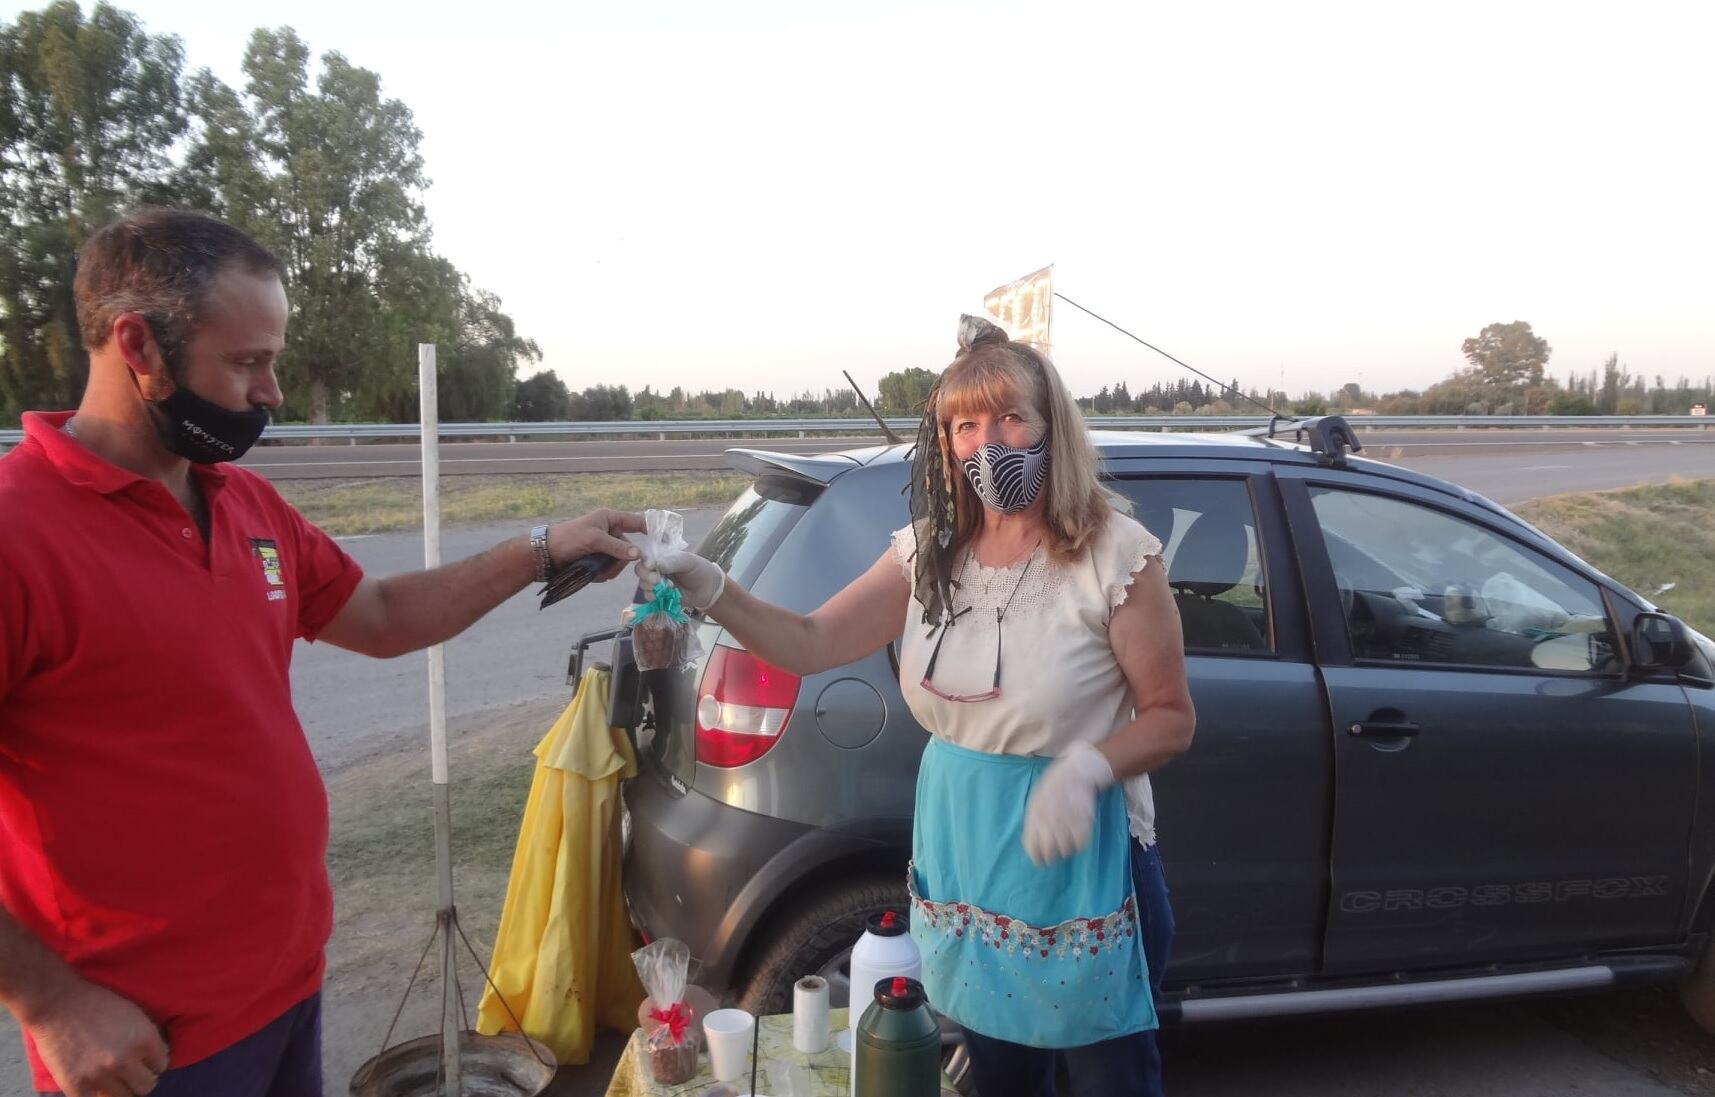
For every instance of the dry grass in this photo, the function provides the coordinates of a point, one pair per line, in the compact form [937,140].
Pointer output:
[381,844]
[344,507]
[1646,538]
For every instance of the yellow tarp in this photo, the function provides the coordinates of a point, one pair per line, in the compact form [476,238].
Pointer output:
[562,956]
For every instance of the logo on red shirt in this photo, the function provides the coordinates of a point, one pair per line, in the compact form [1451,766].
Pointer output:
[267,555]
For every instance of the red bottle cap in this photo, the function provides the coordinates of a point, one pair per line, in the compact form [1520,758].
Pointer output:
[888,919]
[899,987]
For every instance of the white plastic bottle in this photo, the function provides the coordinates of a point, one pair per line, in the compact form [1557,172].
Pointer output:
[885,951]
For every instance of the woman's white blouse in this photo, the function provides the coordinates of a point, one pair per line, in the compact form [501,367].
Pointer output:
[1059,682]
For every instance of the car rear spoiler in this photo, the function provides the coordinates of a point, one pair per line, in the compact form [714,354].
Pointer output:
[814,468]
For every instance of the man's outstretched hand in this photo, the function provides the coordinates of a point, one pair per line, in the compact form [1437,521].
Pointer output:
[600,530]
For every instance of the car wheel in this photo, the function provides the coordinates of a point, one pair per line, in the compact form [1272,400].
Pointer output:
[817,939]
[1697,991]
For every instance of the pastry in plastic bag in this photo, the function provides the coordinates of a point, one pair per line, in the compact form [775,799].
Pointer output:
[670,1047]
[663,637]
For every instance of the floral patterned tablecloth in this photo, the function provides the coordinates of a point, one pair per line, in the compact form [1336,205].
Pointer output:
[830,1069]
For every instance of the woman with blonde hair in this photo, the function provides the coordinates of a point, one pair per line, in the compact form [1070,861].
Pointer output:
[1046,661]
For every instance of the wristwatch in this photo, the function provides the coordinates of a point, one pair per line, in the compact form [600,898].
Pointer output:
[539,546]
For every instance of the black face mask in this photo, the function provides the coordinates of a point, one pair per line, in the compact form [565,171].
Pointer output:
[204,432]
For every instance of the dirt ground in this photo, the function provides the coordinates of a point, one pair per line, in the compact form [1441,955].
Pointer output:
[381,859]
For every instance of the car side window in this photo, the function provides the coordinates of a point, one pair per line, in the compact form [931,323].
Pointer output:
[1208,533]
[1419,585]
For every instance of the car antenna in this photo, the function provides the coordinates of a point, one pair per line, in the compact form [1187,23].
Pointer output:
[892,437]
[1274,416]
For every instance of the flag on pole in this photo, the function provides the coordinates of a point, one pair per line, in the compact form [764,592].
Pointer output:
[1025,308]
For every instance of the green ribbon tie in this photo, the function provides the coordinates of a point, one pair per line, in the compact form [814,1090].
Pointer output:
[664,600]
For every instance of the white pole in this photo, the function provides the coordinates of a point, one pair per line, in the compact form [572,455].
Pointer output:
[451,1026]
[430,412]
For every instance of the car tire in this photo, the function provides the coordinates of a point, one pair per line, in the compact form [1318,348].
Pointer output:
[1697,991]
[814,938]
[817,938]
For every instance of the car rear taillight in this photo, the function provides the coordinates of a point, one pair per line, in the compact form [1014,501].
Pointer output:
[742,706]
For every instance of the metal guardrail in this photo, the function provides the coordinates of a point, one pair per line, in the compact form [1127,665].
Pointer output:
[354,432]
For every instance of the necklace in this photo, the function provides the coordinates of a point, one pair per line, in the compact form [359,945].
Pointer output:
[989,575]
[999,614]
[993,691]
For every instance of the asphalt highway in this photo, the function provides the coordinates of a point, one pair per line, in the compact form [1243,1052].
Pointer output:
[1509,466]
[346,461]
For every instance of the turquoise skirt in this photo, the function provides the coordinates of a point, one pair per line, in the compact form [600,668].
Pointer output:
[1047,956]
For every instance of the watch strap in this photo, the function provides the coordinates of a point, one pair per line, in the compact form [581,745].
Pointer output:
[539,547]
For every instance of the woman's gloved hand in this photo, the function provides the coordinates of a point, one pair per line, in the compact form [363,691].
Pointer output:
[701,582]
[1062,807]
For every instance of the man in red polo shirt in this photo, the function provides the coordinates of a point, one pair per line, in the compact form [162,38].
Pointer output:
[163,827]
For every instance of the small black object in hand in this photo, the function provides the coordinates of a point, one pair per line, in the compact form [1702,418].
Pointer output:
[574,577]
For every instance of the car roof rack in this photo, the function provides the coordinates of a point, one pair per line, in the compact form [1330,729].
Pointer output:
[1331,437]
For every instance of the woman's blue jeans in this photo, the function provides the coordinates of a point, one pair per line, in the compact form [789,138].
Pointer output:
[1129,1066]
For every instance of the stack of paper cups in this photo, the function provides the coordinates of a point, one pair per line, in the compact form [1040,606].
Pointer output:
[810,1015]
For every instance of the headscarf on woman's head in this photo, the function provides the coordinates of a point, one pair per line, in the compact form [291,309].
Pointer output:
[934,519]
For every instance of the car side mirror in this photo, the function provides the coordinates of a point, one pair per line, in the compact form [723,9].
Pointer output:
[1660,642]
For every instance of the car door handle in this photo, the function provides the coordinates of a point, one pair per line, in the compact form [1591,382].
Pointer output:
[1382,729]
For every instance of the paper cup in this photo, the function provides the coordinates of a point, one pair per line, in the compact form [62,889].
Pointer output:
[728,1032]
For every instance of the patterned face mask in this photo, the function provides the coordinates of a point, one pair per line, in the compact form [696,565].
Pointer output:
[1008,479]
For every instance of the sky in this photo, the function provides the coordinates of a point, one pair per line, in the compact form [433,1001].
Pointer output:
[759,194]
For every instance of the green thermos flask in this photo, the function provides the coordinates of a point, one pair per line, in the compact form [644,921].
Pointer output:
[898,1049]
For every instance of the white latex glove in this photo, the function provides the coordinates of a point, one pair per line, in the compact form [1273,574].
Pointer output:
[701,582]
[1062,807]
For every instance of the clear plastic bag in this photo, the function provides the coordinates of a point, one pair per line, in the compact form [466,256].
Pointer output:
[662,635]
[670,1048]
[789,1079]
[1517,608]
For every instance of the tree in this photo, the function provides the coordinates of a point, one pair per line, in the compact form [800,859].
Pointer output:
[89,110]
[649,404]
[601,403]
[542,398]
[343,208]
[92,115]
[487,349]
[331,177]
[1507,355]
[1615,380]
[1572,403]
[904,390]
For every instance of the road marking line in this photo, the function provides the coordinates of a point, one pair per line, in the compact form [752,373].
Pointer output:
[486,460]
